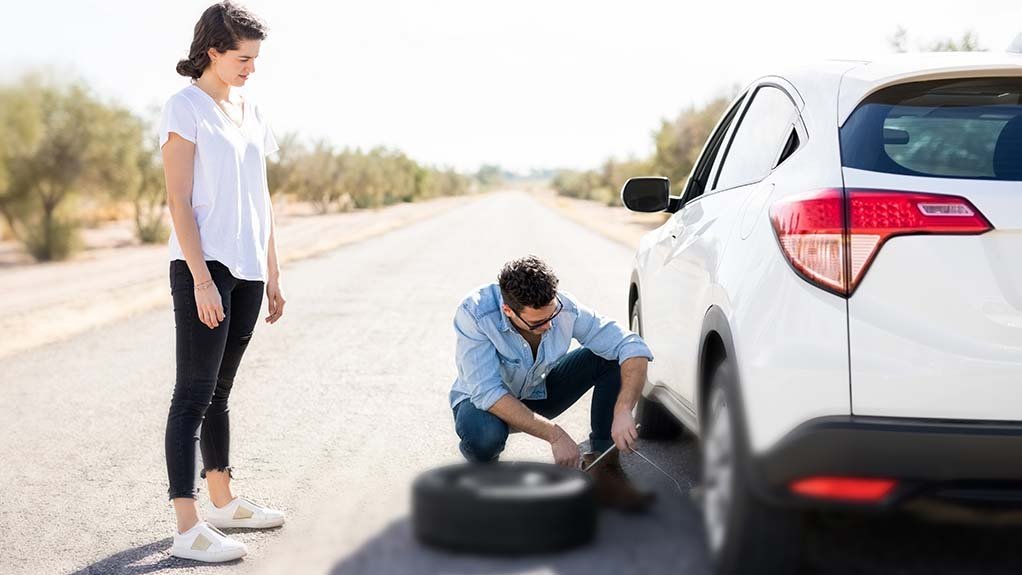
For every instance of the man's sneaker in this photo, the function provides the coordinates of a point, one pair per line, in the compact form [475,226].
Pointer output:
[613,488]
[244,513]
[206,543]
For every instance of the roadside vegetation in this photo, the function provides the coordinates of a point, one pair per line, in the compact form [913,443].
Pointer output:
[70,159]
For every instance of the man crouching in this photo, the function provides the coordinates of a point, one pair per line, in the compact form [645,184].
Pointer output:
[515,372]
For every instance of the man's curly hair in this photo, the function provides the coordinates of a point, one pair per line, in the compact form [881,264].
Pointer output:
[527,281]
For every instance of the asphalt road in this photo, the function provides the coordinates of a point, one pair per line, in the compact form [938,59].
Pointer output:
[337,408]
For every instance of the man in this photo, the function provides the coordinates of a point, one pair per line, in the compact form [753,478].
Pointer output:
[515,372]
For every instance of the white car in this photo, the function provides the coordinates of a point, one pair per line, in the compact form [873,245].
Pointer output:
[835,304]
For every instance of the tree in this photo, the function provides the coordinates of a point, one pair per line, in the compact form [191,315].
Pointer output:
[20,131]
[317,177]
[79,148]
[969,42]
[281,167]
[615,174]
[134,171]
[899,40]
[149,197]
[490,175]
[679,142]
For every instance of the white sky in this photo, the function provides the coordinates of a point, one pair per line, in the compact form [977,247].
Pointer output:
[460,83]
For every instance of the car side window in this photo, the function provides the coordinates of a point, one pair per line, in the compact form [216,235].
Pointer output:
[765,127]
[701,172]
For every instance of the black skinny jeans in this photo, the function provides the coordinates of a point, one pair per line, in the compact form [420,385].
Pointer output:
[207,361]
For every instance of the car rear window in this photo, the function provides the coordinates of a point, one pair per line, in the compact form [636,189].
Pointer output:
[963,128]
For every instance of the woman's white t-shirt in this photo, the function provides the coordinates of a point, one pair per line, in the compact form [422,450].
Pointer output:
[230,196]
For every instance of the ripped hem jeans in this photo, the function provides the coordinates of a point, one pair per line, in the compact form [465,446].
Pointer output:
[207,362]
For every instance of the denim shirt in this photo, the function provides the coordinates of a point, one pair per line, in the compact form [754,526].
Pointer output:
[493,359]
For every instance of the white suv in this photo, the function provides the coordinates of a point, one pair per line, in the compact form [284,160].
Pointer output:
[835,303]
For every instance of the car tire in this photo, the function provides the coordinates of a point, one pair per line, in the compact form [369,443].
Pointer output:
[745,535]
[504,508]
[655,422]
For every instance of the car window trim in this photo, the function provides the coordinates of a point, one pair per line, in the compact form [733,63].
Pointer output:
[714,145]
[796,120]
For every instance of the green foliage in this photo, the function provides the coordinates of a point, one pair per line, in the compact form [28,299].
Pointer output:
[149,199]
[679,143]
[59,141]
[490,175]
[577,184]
[677,146]
[969,42]
[50,237]
[342,180]
[281,167]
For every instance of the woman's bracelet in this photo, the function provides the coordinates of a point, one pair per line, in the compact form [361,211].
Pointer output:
[203,285]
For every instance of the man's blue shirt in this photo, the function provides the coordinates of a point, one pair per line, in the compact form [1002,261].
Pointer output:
[493,359]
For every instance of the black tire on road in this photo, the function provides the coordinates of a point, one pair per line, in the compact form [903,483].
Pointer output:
[758,539]
[655,421]
[512,508]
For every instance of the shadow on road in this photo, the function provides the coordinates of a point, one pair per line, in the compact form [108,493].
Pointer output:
[623,547]
[670,535]
[626,546]
[151,558]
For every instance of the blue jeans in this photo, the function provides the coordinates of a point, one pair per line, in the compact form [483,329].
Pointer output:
[483,434]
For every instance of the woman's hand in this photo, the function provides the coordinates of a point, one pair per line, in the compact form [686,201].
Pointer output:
[274,299]
[209,304]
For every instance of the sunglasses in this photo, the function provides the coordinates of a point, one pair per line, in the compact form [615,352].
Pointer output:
[532,326]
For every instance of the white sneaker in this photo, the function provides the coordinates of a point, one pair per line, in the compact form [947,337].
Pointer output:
[206,543]
[244,513]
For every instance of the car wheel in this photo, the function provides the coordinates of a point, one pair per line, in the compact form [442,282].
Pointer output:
[744,535]
[654,419]
[504,508]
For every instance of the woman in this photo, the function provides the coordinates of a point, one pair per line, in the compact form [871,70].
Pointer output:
[222,254]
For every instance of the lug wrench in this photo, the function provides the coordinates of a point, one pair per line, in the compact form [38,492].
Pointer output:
[603,456]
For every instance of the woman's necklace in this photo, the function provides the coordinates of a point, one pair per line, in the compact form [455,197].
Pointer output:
[237,117]
[235,113]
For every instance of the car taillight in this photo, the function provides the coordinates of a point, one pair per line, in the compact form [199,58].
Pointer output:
[811,230]
[854,489]
[831,237]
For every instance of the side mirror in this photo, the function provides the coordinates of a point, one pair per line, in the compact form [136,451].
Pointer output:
[646,194]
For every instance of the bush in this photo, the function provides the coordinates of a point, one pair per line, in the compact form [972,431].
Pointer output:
[59,142]
[52,238]
[348,179]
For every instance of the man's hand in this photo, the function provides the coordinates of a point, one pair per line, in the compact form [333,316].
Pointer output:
[623,430]
[565,449]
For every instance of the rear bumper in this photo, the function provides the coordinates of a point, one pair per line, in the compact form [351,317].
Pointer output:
[973,462]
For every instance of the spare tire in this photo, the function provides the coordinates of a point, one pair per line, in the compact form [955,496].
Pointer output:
[508,508]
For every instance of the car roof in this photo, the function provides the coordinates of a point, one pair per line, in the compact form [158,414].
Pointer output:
[854,80]
[868,77]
